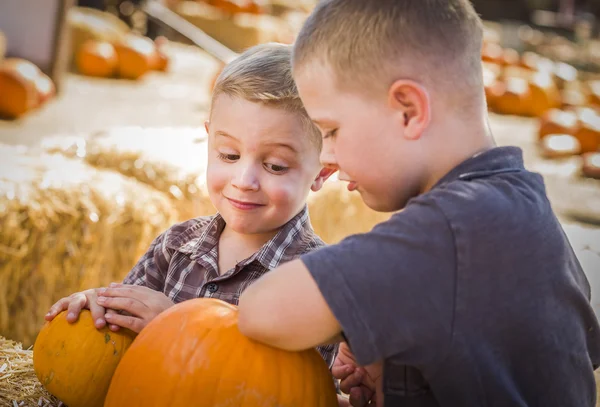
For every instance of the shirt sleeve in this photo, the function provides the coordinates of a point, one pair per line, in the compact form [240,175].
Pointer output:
[392,290]
[151,269]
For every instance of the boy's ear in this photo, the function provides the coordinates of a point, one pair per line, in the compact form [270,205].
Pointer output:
[206,124]
[324,174]
[412,103]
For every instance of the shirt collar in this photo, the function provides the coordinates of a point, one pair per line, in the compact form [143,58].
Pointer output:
[489,162]
[290,240]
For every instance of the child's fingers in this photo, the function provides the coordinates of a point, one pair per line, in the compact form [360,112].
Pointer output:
[353,380]
[129,305]
[125,321]
[341,372]
[358,398]
[76,304]
[57,308]
[113,327]
[96,310]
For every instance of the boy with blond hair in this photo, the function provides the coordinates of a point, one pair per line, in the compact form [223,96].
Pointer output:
[471,295]
[263,160]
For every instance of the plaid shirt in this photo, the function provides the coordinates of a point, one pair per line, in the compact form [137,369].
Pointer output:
[182,262]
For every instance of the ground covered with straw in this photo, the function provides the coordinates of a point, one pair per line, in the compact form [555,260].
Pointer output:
[19,387]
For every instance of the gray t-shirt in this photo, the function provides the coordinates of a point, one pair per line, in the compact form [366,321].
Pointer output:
[472,295]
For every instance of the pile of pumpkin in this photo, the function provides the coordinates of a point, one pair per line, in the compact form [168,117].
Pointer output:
[23,88]
[129,58]
[190,355]
[566,103]
[104,46]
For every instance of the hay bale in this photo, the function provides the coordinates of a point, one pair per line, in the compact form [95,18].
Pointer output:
[171,160]
[66,227]
[336,212]
[18,382]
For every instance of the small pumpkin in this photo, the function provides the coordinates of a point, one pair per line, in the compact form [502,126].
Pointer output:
[45,88]
[75,361]
[513,97]
[544,94]
[556,121]
[161,60]
[559,146]
[194,355]
[18,92]
[136,56]
[588,132]
[237,6]
[97,58]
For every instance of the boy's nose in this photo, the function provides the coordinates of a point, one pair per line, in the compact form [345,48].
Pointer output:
[327,157]
[246,179]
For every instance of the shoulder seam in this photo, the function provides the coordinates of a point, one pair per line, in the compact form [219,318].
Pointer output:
[454,306]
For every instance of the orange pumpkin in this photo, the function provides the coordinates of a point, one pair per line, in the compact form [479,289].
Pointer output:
[45,88]
[588,132]
[161,60]
[194,355]
[591,169]
[513,97]
[556,121]
[544,94]
[75,362]
[492,52]
[594,95]
[559,145]
[237,6]
[136,56]
[97,58]
[18,93]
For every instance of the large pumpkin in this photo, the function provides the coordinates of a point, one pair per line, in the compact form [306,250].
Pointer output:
[194,355]
[18,93]
[75,361]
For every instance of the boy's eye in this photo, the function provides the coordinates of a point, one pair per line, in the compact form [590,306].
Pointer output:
[276,169]
[330,133]
[229,157]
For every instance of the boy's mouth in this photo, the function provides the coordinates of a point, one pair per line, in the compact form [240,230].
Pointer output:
[352,186]
[243,205]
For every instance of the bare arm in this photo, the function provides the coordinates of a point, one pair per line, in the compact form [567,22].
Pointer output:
[285,309]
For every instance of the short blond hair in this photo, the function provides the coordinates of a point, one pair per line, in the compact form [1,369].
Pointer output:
[263,74]
[371,43]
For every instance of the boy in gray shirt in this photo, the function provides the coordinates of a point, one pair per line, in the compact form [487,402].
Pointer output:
[471,295]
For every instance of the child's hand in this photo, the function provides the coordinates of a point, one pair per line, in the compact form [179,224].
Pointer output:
[361,383]
[139,305]
[74,303]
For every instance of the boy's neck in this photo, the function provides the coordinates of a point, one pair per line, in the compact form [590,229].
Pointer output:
[454,141]
[240,245]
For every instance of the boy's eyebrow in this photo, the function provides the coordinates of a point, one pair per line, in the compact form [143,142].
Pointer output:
[323,122]
[223,134]
[280,144]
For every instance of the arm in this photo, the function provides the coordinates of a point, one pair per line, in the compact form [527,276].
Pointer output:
[149,270]
[391,291]
[303,318]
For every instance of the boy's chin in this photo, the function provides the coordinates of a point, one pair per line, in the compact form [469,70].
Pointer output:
[385,203]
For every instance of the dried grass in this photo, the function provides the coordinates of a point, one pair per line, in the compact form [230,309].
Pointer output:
[171,160]
[18,384]
[66,227]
